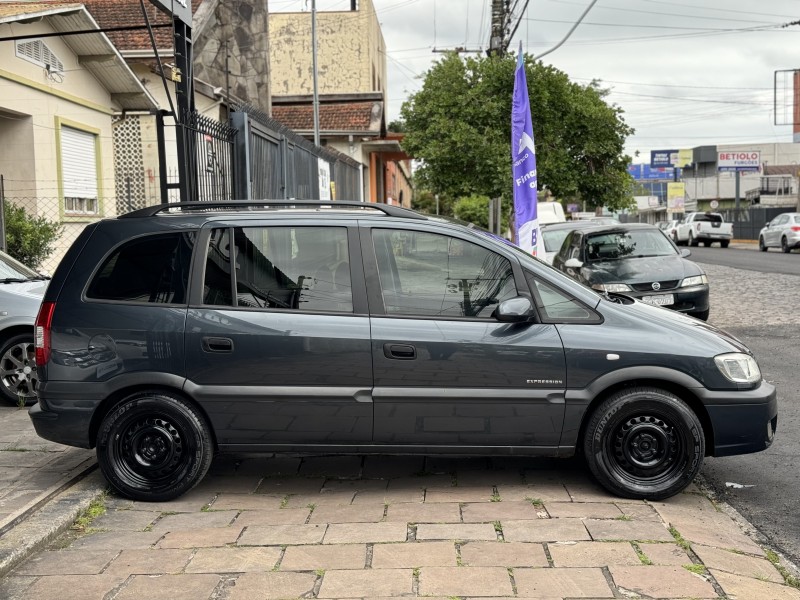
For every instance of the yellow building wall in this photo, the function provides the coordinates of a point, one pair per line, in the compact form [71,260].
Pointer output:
[351,52]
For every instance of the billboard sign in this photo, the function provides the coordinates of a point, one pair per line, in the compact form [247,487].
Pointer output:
[646,172]
[675,196]
[663,158]
[739,161]
[182,9]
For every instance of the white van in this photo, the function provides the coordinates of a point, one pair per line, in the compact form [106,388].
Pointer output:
[550,212]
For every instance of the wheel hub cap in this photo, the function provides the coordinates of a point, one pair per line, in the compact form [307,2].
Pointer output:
[18,371]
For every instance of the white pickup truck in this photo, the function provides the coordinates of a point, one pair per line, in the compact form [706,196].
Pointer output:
[706,227]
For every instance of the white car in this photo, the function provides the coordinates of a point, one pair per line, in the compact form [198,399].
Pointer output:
[21,291]
[782,232]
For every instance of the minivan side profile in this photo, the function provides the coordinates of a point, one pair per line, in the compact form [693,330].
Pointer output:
[178,331]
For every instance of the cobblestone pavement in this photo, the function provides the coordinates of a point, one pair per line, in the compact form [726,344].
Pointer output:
[741,298]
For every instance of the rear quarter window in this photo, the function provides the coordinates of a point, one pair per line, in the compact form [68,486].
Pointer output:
[148,269]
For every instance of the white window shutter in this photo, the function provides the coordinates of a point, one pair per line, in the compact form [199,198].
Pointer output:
[78,163]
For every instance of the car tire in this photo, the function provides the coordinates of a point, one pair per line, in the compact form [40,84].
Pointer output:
[702,315]
[785,246]
[644,443]
[18,379]
[724,243]
[692,241]
[761,245]
[154,447]
[675,239]
[706,244]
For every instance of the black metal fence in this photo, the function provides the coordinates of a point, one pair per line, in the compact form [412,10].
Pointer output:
[747,222]
[273,162]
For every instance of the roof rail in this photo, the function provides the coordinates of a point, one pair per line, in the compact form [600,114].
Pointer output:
[392,211]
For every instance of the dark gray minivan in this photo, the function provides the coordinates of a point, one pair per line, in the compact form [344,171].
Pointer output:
[176,331]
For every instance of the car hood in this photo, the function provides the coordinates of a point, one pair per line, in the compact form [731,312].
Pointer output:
[26,289]
[640,270]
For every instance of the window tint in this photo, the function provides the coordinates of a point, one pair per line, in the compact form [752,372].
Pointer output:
[708,218]
[426,274]
[147,269]
[555,305]
[294,268]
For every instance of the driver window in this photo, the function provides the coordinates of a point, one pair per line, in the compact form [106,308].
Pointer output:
[432,275]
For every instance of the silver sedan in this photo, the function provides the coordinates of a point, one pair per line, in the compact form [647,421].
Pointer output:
[782,232]
[21,291]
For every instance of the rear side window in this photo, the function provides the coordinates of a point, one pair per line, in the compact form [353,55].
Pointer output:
[708,218]
[293,268]
[151,269]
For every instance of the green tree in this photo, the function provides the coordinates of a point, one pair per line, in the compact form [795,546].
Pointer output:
[475,209]
[29,239]
[459,126]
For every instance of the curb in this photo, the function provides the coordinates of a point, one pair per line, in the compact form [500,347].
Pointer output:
[46,520]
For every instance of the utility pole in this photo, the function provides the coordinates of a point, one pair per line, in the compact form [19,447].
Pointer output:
[314,69]
[497,41]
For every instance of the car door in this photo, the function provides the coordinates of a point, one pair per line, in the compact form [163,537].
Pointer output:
[772,235]
[277,336]
[446,372]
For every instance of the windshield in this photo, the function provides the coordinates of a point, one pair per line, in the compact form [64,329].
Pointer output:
[628,244]
[554,238]
[13,269]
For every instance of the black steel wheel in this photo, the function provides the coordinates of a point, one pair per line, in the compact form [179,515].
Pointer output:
[18,378]
[154,447]
[644,443]
[761,245]
[785,245]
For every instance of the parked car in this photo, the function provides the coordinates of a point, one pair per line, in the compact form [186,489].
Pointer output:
[344,327]
[669,228]
[782,232]
[550,212]
[638,260]
[554,234]
[706,227]
[21,291]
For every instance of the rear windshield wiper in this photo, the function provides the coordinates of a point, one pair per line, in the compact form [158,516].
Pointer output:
[13,280]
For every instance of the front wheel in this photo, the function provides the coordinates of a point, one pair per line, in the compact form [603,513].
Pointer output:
[644,443]
[18,378]
[702,315]
[761,245]
[154,447]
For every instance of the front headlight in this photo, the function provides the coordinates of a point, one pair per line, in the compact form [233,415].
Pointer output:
[611,287]
[696,280]
[738,367]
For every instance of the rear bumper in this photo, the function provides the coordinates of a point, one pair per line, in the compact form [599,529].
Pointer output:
[70,428]
[743,421]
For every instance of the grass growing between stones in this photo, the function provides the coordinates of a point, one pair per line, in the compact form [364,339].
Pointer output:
[790,579]
[96,509]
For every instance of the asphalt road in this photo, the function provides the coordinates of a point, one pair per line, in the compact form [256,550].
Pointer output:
[772,261]
[765,487]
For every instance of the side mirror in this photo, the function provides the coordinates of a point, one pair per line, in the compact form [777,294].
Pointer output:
[514,310]
[768,223]
[685,252]
[573,263]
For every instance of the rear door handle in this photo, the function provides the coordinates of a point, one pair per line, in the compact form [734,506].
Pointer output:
[217,344]
[399,351]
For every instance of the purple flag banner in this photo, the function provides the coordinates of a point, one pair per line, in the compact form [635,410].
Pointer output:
[523,157]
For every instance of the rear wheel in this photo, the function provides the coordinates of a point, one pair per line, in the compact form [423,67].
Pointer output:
[706,244]
[785,245]
[692,241]
[154,447]
[18,379]
[724,243]
[644,443]
[761,245]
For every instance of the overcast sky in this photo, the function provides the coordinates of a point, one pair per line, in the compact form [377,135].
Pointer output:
[685,72]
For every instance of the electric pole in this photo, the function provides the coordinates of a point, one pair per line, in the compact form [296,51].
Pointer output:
[497,40]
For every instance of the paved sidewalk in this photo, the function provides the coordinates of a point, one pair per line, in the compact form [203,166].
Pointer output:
[380,527]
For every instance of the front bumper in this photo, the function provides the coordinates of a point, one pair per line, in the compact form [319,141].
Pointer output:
[743,421]
[690,299]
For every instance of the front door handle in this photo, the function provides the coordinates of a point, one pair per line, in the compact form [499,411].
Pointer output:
[217,344]
[399,351]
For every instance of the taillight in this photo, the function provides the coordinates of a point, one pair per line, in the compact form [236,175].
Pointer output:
[795,227]
[42,332]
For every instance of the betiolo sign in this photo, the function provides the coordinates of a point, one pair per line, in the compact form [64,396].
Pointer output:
[742,160]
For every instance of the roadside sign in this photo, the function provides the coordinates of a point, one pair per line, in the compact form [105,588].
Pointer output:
[663,158]
[714,204]
[675,196]
[746,160]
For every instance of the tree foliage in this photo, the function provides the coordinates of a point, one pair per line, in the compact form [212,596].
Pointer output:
[29,239]
[459,126]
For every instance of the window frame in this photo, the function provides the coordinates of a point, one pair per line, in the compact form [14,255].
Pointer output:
[374,289]
[538,303]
